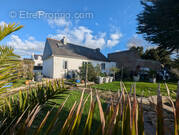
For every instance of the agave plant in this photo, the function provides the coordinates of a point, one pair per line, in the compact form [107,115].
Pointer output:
[18,105]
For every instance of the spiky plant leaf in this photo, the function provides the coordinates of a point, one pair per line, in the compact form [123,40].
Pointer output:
[177,108]
[68,121]
[160,122]
[55,117]
[101,114]
[37,132]
[87,128]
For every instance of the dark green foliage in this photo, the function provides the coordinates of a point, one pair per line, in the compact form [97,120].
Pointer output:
[175,63]
[157,54]
[153,54]
[159,23]
[90,70]
[138,49]
[14,106]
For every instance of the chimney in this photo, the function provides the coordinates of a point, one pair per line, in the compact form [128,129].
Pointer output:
[98,49]
[64,40]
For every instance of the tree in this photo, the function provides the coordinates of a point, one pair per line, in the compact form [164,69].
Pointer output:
[138,49]
[91,74]
[97,70]
[158,55]
[9,61]
[175,63]
[159,23]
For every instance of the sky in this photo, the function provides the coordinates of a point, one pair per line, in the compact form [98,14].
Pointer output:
[108,25]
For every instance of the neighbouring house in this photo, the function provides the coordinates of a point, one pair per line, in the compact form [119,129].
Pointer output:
[37,59]
[38,62]
[60,57]
[131,60]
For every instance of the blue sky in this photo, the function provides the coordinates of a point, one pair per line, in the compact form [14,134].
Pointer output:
[109,25]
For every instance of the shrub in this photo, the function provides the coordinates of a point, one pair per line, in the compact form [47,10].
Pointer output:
[15,106]
[91,72]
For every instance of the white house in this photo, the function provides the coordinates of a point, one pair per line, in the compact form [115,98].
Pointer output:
[60,57]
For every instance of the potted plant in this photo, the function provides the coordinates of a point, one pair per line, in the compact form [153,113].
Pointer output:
[136,76]
[152,76]
[38,76]
[114,70]
[110,79]
[99,80]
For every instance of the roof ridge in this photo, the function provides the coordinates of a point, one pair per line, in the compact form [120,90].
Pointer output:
[123,51]
[53,39]
[82,46]
[72,43]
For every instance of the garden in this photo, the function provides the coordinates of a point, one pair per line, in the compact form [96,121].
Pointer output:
[94,102]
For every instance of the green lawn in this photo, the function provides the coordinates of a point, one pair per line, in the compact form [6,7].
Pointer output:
[147,88]
[74,96]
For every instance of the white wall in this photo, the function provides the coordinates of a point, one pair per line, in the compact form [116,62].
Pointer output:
[73,64]
[48,67]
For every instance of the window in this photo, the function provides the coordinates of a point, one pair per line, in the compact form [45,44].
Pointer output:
[65,64]
[102,66]
[84,63]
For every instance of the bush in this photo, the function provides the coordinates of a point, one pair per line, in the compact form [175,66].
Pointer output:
[92,72]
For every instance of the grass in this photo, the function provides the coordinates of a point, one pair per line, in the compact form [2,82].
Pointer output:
[55,103]
[142,88]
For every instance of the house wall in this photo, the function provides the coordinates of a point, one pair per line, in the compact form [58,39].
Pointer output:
[130,60]
[125,59]
[48,67]
[73,64]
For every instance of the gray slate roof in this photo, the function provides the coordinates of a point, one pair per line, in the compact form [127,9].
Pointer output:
[57,48]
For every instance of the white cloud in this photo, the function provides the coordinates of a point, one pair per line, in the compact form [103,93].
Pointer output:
[2,23]
[85,36]
[82,35]
[117,50]
[136,41]
[115,39]
[25,47]
[31,38]
[61,22]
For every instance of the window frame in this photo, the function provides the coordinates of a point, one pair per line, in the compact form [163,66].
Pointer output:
[103,66]
[65,64]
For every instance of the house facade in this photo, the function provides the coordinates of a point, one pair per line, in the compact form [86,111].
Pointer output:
[61,58]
